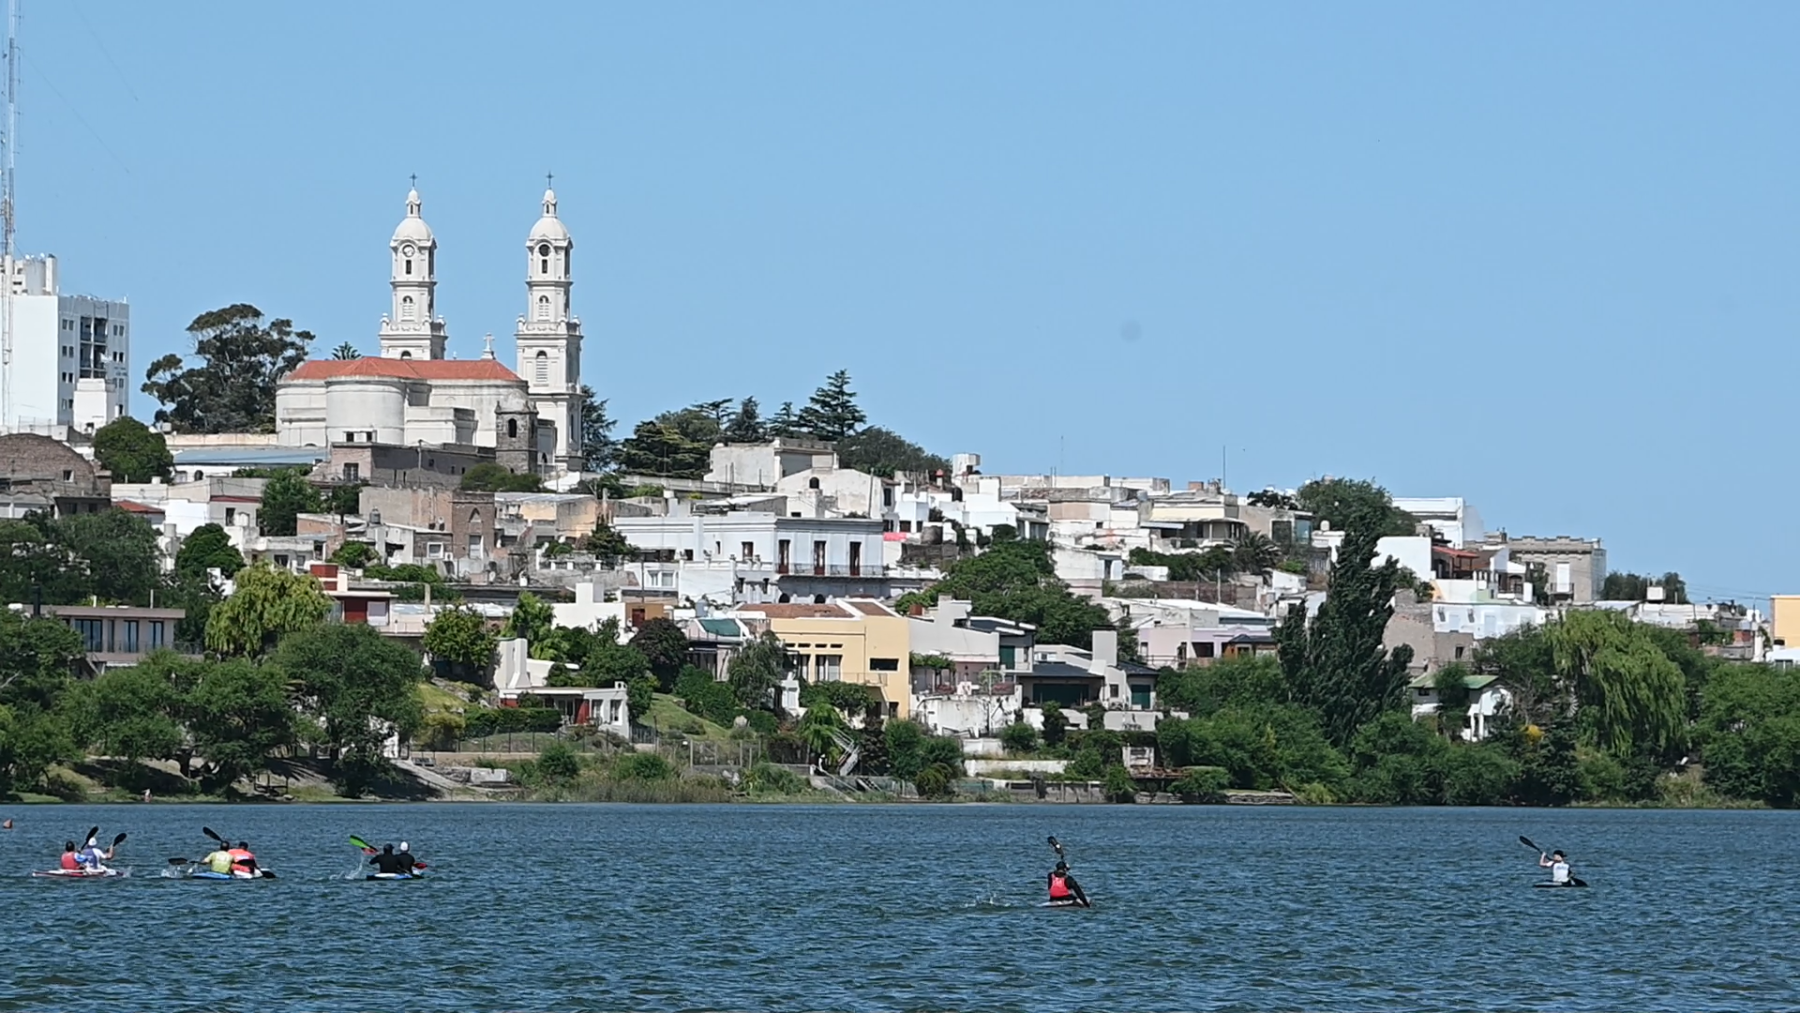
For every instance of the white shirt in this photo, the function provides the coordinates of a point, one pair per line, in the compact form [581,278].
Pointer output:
[1559,872]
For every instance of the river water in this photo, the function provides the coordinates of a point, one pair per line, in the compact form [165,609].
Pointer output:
[852,907]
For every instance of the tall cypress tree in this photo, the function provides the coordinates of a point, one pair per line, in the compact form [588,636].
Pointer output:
[1337,664]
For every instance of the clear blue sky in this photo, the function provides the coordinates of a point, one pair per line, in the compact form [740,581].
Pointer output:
[1538,255]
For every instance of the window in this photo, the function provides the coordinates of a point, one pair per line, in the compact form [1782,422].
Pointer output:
[93,634]
[474,545]
[406,355]
[409,265]
[352,472]
[406,307]
[156,634]
[230,515]
[68,474]
[830,667]
[855,559]
[783,549]
[435,550]
[687,554]
[318,550]
[748,550]
[543,312]
[1459,652]
[884,664]
[818,559]
[1009,656]
[540,366]
[129,644]
[512,429]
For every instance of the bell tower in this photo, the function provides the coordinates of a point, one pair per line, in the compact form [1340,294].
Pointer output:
[412,329]
[549,336]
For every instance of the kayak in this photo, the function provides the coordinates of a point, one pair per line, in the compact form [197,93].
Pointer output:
[1557,886]
[83,873]
[395,875]
[209,874]
[1063,904]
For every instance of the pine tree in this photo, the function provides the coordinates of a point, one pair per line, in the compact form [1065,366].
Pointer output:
[597,442]
[746,424]
[832,413]
[784,423]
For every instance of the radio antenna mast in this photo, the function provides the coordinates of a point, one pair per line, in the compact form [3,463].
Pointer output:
[7,215]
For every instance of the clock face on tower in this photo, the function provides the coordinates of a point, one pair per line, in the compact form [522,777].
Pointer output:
[543,249]
[407,250]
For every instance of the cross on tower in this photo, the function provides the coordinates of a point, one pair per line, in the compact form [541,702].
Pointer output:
[415,180]
[549,181]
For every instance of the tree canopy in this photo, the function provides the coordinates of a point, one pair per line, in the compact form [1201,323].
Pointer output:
[132,451]
[266,605]
[1344,501]
[1017,581]
[285,497]
[884,452]
[209,547]
[832,412]
[597,443]
[1636,587]
[232,389]
[491,477]
[357,688]
[676,444]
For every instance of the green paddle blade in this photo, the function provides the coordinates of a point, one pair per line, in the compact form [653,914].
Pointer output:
[357,842]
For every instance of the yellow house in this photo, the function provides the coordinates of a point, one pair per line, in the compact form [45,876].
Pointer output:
[1784,619]
[856,640]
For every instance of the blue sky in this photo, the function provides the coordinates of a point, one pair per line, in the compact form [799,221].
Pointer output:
[1538,255]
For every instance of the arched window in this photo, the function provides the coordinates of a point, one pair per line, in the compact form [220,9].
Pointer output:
[475,518]
[541,369]
[406,355]
[512,429]
[406,307]
[543,307]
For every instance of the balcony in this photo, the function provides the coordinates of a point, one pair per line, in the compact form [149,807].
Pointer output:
[833,570]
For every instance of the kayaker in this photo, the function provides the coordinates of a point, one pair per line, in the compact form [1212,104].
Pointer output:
[1063,888]
[406,859]
[93,856]
[70,861]
[243,863]
[218,861]
[387,863]
[1558,864]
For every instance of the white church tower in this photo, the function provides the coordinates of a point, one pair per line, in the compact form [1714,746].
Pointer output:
[549,338]
[413,330]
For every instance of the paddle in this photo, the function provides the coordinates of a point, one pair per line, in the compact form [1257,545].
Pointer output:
[223,843]
[1056,846]
[1527,842]
[370,849]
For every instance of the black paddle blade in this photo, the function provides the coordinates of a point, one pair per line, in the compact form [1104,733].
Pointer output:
[179,861]
[92,833]
[118,840]
[1527,842]
[266,874]
[1577,882]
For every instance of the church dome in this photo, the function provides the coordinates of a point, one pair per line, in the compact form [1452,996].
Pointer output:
[412,226]
[549,227]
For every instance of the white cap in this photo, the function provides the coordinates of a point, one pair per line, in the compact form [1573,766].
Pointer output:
[402,845]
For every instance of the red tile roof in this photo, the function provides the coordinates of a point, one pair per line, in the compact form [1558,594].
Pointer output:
[406,369]
[799,610]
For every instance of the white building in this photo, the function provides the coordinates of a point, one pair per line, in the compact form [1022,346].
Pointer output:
[411,394]
[809,556]
[71,359]
[1450,516]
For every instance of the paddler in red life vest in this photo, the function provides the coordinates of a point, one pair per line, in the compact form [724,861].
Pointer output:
[69,862]
[1063,888]
[243,863]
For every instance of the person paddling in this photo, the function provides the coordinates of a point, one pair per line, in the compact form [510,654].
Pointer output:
[93,857]
[387,863]
[1063,888]
[243,862]
[407,861]
[70,861]
[1558,864]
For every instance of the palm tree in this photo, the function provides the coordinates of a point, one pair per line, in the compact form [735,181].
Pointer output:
[1255,553]
[345,351]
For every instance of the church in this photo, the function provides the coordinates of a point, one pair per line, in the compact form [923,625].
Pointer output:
[411,395]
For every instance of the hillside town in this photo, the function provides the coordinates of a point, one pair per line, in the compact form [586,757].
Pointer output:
[407,485]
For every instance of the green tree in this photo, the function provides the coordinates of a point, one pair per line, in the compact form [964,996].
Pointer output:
[266,605]
[132,451]
[112,555]
[1454,696]
[597,443]
[354,555]
[460,638]
[872,740]
[237,715]
[1342,502]
[286,496]
[344,498]
[756,670]
[209,547]
[607,545]
[746,424]
[359,688]
[532,619]
[885,453]
[784,424]
[233,388]
[345,352]
[832,412]
[665,646]
[1629,695]
[36,726]
[609,663]
[1056,725]
[1636,587]
[1019,738]
[819,728]
[132,713]
[1337,664]
[490,477]
[1017,581]
[1254,553]
[676,444]
[705,696]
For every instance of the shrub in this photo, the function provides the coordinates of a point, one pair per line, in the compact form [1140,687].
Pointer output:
[1203,784]
[762,722]
[701,694]
[1018,738]
[643,767]
[1118,784]
[1479,775]
[768,779]
[933,782]
[443,730]
[559,762]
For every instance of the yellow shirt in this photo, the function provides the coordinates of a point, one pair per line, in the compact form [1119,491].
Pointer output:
[219,861]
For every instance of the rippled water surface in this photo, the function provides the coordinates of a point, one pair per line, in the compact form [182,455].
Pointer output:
[743,907]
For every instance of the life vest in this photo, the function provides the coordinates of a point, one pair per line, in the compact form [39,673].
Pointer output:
[1059,887]
[219,862]
[69,861]
[240,859]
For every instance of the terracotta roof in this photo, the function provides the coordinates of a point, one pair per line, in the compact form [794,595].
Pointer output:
[406,369]
[134,507]
[871,608]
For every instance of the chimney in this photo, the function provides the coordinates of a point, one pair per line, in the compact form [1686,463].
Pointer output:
[1106,651]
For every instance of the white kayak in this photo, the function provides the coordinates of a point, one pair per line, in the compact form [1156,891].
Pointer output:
[82,873]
